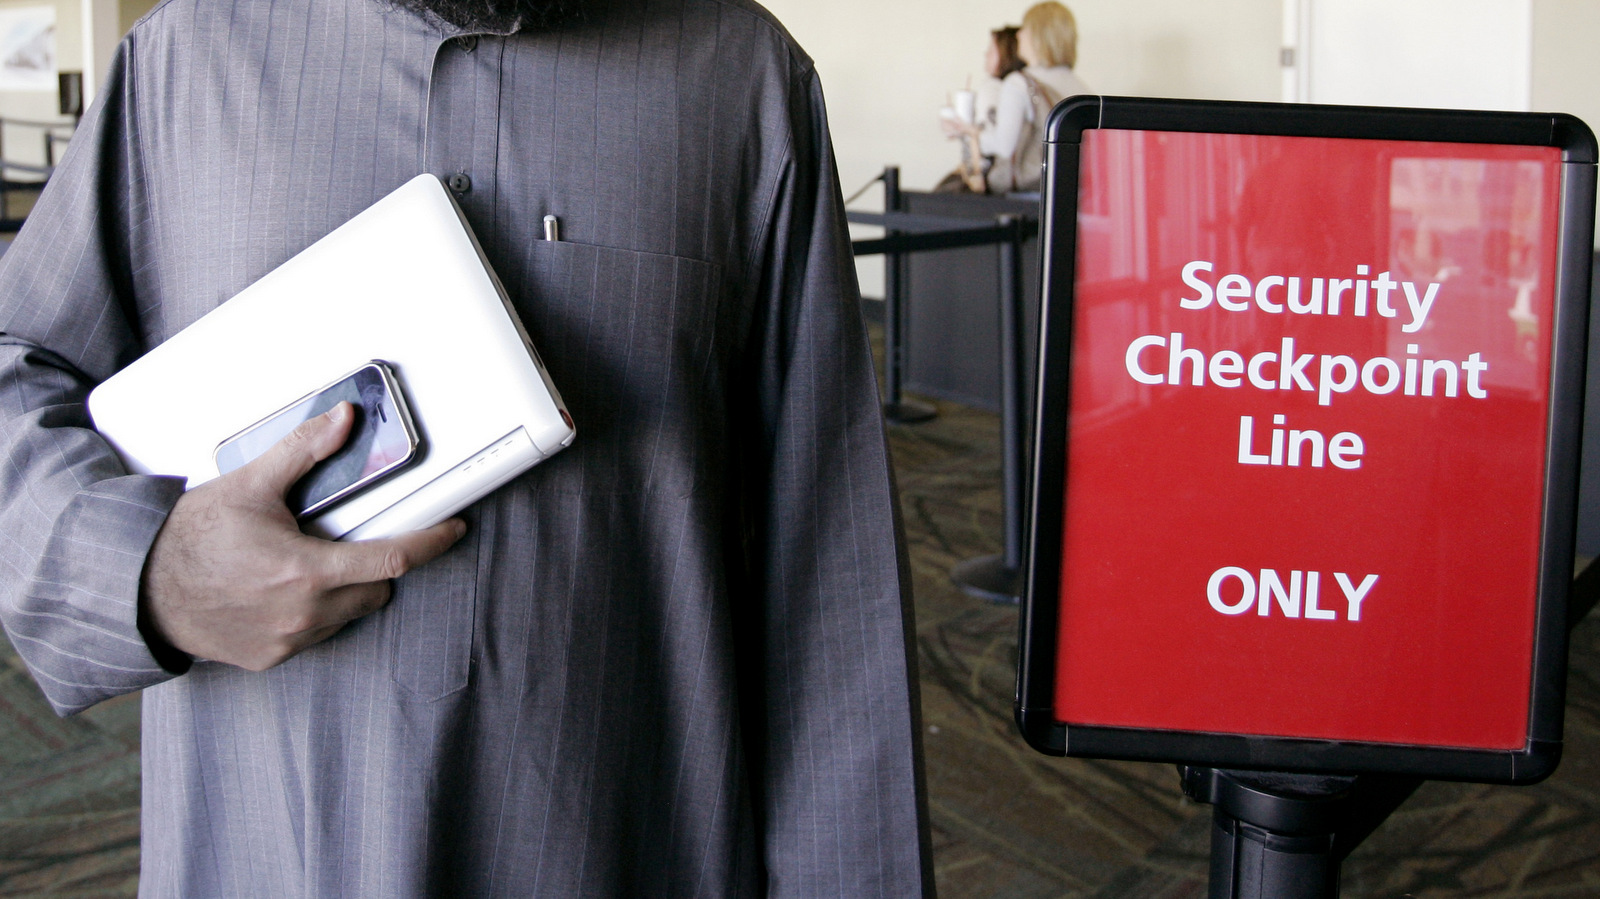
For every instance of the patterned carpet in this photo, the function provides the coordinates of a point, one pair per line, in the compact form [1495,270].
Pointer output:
[69,794]
[1008,823]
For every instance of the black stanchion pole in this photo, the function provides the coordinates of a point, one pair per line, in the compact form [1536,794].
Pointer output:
[998,578]
[1272,835]
[1013,417]
[1276,834]
[896,408]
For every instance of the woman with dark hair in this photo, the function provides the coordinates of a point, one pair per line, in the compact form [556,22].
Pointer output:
[999,60]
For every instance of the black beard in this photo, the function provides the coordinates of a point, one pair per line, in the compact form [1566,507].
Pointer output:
[494,15]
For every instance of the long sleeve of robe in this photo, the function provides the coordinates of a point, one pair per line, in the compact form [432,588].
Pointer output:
[672,660]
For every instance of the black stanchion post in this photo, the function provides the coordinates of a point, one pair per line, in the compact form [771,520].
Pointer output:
[896,408]
[998,578]
[1273,836]
[1013,417]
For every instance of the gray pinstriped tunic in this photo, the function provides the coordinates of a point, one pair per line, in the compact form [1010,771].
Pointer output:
[672,661]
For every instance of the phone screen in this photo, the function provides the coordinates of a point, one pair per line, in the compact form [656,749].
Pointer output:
[381,439]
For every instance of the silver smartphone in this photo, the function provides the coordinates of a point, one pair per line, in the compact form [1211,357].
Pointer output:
[383,438]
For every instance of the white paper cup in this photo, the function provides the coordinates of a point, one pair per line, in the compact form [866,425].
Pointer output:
[966,105]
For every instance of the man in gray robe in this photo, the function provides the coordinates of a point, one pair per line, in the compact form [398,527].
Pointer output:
[672,660]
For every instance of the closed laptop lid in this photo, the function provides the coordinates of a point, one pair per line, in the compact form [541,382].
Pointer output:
[404,282]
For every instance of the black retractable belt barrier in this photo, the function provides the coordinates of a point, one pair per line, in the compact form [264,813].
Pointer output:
[997,578]
[896,408]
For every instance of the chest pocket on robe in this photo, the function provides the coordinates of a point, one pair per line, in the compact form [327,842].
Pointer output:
[631,342]
[432,615]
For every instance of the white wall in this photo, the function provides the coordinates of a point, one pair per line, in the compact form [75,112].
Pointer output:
[1566,58]
[25,144]
[1482,61]
[1552,44]
[888,65]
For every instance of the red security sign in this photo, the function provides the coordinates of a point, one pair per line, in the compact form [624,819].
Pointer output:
[1309,397]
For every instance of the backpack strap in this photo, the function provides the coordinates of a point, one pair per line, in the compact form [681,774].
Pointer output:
[1025,155]
[1037,91]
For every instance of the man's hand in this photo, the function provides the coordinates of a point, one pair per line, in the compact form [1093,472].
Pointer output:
[231,578]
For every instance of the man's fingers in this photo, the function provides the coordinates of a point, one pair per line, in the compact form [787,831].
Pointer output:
[333,610]
[365,561]
[310,442]
[360,584]
[346,604]
[317,636]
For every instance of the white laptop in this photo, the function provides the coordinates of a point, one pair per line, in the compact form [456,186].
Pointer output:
[404,282]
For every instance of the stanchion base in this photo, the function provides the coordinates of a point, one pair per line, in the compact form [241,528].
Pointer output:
[909,412]
[989,578]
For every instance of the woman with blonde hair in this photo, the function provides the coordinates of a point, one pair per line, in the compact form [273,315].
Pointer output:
[1048,44]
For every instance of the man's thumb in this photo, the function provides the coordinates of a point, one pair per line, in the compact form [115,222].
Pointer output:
[310,442]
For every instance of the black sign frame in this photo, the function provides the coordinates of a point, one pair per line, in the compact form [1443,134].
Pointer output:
[1034,710]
